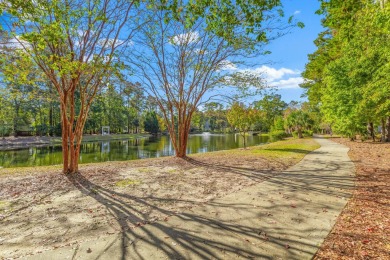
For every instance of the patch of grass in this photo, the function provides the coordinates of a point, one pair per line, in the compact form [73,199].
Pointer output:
[288,148]
[173,171]
[31,170]
[4,205]
[329,136]
[144,170]
[127,182]
[296,148]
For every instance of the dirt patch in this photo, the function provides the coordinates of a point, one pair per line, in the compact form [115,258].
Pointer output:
[41,209]
[362,230]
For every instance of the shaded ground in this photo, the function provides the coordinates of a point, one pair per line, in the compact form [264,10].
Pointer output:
[362,230]
[41,209]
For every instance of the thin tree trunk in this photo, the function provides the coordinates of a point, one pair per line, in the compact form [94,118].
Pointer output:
[72,135]
[16,119]
[244,138]
[388,129]
[371,130]
[299,132]
[64,134]
[383,132]
[51,133]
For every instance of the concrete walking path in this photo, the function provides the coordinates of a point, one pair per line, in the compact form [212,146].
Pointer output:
[285,217]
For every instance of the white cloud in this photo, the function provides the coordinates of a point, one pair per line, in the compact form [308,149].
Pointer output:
[279,78]
[272,74]
[287,83]
[16,44]
[185,38]
[297,12]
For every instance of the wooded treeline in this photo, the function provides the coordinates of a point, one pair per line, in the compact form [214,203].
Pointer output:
[348,77]
[33,110]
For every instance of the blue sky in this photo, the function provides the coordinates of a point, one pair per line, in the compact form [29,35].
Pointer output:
[289,53]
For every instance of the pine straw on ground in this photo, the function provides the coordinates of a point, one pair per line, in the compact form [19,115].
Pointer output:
[362,230]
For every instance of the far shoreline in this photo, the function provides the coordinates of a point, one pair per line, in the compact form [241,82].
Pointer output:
[22,142]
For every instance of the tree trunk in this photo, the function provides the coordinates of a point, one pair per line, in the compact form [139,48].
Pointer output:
[64,134]
[71,134]
[299,129]
[16,119]
[51,124]
[183,132]
[388,129]
[370,128]
[383,132]
[244,137]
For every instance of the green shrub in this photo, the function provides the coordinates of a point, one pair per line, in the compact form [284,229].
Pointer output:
[5,130]
[295,134]
[307,133]
[277,135]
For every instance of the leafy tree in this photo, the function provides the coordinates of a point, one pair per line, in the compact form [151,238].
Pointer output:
[161,124]
[75,44]
[242,118]
[20,83]
[299,120]
[215,116]
[197,121]
[347,76]
[272,106]
[113,108]
[134,100]
[184,48]
[5,115]
[151,123]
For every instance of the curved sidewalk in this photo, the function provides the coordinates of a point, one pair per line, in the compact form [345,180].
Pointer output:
[285,217]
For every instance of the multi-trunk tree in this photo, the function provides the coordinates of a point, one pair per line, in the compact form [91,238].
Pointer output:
[76,44]
[185,52]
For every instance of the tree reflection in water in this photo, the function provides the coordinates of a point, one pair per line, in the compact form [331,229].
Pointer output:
[120,150]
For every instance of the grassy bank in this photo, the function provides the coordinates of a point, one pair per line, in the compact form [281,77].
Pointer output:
[287,149]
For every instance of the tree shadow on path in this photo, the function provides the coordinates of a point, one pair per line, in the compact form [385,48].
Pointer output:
[199,231]
[138,233]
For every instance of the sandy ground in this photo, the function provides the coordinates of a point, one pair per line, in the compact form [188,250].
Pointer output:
[45,210]
[285,217]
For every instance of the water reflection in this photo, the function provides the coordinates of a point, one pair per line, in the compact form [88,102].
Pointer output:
[120,150]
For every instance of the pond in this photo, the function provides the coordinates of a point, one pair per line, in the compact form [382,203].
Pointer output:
[129,149]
